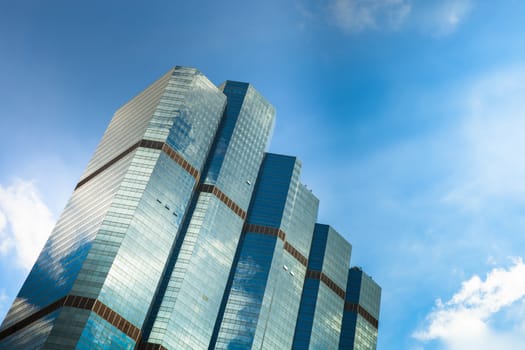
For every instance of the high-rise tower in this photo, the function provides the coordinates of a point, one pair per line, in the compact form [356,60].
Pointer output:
[181,233]
[360,321]
[322,303]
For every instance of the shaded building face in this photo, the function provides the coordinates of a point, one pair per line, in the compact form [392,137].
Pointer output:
[322,303]
[183,233]
[361,312]
[261,306]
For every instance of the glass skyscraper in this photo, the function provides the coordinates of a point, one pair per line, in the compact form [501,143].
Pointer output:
[182,233]
[361,312]
[322,303]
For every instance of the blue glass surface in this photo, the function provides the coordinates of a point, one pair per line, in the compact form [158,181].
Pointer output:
[358,333]
[195,237]
[114,236]
[321,311]
[195,282]
[263,301]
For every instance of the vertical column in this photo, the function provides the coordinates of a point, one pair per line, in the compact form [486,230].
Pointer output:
[136,236]
[188,302]
[360,320]
[281,304]
[265,274]
[322,302]
[99,270]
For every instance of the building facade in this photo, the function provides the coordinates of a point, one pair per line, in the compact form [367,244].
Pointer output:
[361,312]
[322,302]
[182,233]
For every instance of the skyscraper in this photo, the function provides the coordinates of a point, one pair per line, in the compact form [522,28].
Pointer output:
[322,303]
[262,303]
[361,312]
[183,233]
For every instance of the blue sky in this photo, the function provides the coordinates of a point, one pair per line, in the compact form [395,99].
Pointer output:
[408,116]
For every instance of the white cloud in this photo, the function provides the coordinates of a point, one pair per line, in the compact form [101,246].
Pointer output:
[4,243]
[3,303]
[438,18]
[469,319]
[3,299]
[358,15]
[444,17]
[25,222]
[493,166]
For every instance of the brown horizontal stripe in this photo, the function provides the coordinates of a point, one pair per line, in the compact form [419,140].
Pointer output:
[106,313]
[31,318]
[356,308]
[223,198]
[180,160]
[318,275]
[79,302]
[277,232]
[265,230]
[174,155]
[295,253]
[150,346]
[107,165]
[313,274]
[151,144]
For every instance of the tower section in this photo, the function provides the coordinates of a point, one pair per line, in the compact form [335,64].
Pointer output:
[322,302]
[182,233]
[360,321]
[262,302]
[92,285]
[188,302]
